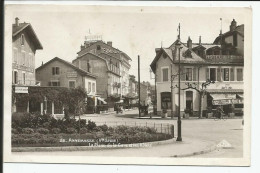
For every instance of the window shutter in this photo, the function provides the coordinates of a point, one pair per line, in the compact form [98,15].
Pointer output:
[232,77]
[207,73]
[194,74]
[49,83]
[53,70]
[219,74]
[222,74]
[58,83]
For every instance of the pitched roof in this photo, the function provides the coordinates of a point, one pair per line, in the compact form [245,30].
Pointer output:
[100,41]
[99,58]
[27,27]
[239,30]
[83,72]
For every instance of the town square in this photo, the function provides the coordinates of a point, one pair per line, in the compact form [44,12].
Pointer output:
[142,87]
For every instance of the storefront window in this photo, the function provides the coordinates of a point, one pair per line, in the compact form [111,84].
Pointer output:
[166,100]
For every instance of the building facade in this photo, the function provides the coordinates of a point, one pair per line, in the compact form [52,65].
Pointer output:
[24,43]
[201,62]
[109,64]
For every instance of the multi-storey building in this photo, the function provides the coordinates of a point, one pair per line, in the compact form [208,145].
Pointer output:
[221,62]
[110,65]
[25,43]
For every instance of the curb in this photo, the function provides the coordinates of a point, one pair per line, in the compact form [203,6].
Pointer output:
[87,148]
[212,148]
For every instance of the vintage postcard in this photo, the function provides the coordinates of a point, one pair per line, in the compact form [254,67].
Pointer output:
[127,84]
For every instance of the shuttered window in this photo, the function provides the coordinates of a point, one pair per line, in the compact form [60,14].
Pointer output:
[165,74]
[219,74]
[232,75]
[226,74]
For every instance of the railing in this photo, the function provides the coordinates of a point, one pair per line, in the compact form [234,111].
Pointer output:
[227,58]
[27,82]
[165,128]
[114,69]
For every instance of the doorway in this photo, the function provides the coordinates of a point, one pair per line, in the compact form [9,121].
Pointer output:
[189,100]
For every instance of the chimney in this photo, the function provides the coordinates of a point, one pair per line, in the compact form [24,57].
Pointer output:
[82,47]
[233,25]
[189,43]
[157,50]
[200,40]
[109,43]
[16,21]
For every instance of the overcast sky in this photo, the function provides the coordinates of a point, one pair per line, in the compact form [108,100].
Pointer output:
[135,31]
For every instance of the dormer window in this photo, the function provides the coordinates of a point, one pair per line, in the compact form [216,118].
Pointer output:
[187,54]
[22,39]
[98,47]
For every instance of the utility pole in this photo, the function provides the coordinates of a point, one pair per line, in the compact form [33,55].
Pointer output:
[171,94]
[139,103]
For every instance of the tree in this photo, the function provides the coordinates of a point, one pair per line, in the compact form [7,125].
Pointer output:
[201,90]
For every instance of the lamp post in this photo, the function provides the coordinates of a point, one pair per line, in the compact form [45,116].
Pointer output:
[179,138]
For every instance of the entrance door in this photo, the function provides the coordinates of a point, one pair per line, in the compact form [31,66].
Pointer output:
[189,100]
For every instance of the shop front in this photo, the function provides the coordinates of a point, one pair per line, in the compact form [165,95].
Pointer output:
[229,102]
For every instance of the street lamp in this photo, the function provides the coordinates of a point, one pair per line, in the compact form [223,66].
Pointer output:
[179,138]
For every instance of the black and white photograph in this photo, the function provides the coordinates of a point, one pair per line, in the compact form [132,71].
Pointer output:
[127,84]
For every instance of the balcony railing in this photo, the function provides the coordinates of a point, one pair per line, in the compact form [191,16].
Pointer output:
[225,58]
[27,82]
[114,69]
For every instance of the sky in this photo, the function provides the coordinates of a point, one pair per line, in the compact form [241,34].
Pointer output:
[133,30]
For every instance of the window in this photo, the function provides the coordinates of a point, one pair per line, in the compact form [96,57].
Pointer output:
[240,74]
[89,87]
[212,74]
[72,84]
[22,39]
[226,74]
[165,74]
[54,83]
[188,74]
[166,100]
[98,47]
[15,77]
[55,70]
[93,87]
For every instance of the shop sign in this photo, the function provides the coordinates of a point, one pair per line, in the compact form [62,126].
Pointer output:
[21,89]
[227,101]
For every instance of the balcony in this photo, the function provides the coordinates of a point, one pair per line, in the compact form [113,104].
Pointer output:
[225,58]
[114,69]
[27,83]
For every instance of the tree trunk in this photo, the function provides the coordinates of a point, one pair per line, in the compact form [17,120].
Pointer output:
[200,105]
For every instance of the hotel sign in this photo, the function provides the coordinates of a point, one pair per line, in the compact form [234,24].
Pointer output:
[21,89]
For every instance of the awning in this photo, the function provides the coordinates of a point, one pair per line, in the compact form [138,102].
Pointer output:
[225,99]
[102,100]
[240,96]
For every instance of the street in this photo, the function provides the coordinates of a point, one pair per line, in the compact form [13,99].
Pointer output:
[197,134]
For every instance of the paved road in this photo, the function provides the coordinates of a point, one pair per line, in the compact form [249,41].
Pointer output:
[197,135]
